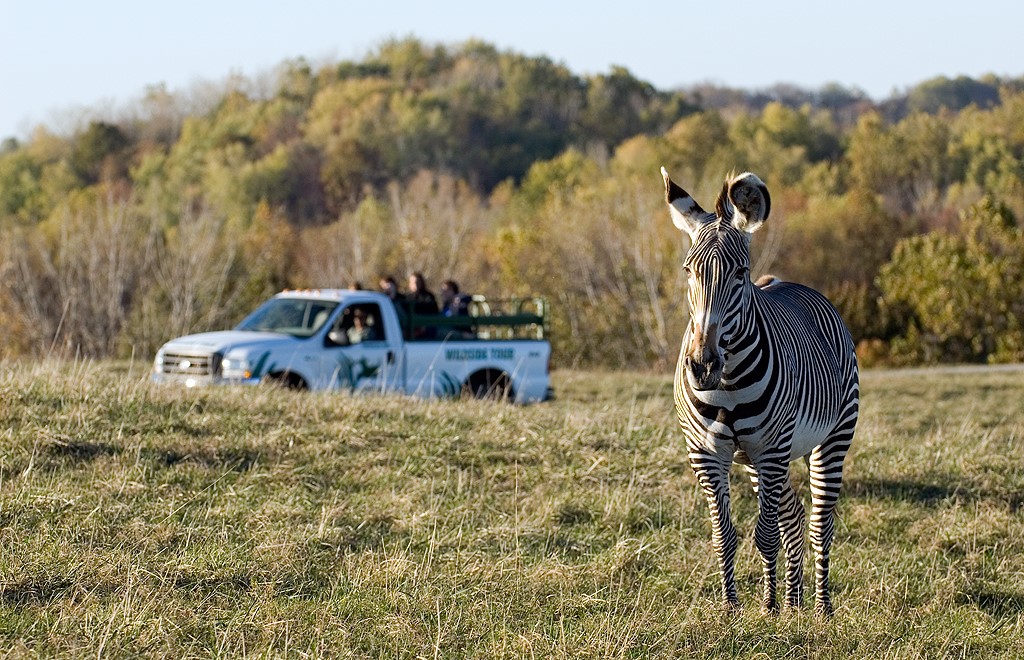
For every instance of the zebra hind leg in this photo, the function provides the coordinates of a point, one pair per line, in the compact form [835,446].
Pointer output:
[826,472]
[769,485]
[714,480]
[791,527]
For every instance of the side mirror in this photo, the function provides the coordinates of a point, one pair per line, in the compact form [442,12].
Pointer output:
[337,337]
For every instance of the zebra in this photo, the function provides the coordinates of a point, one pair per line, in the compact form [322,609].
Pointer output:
[767,374]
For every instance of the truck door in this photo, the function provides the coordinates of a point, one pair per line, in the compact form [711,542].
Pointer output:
[358,355]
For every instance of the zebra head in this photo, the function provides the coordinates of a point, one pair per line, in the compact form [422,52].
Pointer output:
[718,268]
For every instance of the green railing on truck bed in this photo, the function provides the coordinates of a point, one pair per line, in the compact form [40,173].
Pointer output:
[510,318]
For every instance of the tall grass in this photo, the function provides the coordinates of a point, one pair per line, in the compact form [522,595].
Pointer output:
[139,520]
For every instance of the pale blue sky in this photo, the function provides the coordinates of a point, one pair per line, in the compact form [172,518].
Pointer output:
[57,58]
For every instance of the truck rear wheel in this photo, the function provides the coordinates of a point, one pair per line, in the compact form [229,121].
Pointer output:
[489,384]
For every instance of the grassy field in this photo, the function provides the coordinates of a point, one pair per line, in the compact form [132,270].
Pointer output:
[146,521]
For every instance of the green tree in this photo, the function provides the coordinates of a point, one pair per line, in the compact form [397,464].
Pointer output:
[992,145]
[909,165]
[98,153]
[20,189]
[620,106]
[938,94]
[961,294]
[692,144]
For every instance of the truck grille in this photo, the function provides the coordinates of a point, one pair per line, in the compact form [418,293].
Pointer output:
[181,364]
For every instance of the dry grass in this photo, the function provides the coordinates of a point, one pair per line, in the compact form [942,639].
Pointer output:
[137,520]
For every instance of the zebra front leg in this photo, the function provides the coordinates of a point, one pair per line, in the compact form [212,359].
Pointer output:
[791,527]
[713,476]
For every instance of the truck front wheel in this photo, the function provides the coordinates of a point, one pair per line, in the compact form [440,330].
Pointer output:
[489,384]
[287,380]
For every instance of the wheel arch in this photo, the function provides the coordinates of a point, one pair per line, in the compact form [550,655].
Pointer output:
[489,383]
[288,379]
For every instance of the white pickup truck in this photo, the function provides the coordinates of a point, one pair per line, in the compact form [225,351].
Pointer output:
[362,342]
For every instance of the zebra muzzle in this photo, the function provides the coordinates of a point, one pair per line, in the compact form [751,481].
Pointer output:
[704,374]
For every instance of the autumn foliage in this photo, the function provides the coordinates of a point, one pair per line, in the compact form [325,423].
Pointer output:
[514,176]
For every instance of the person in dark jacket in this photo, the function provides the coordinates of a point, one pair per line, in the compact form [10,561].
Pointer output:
[389,287]
[423,303]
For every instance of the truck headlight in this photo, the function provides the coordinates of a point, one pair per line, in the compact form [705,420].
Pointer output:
[158,362]
[236,368]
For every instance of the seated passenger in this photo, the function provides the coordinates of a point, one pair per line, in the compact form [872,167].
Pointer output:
[361,330]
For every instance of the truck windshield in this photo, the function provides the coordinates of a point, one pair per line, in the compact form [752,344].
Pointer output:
[297,317]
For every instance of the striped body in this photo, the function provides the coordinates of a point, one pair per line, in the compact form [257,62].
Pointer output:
[766,375]
[795,344]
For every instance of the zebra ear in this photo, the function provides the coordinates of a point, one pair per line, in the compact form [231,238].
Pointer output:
[686,213]
[750,201]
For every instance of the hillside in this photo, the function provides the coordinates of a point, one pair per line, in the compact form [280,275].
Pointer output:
[513,175]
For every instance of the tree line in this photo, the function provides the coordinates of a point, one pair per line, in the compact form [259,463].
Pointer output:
[515,176]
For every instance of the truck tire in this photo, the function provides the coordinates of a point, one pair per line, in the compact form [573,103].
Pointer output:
[287,380]
[489,384]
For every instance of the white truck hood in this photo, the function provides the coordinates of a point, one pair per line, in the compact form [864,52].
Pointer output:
[225,340]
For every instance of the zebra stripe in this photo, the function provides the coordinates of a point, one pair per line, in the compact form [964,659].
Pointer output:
[767,374]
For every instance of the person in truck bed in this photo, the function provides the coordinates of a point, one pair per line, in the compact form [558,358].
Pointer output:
[422,299]
[389,287]
[423,303]
[454,303]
